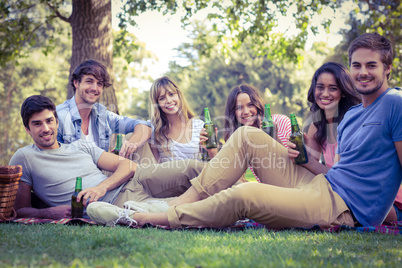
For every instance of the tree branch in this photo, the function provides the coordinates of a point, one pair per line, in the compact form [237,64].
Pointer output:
[58,13]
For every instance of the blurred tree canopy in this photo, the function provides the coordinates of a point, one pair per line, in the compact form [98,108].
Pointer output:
[49,75]
[239,41]
[234,21]
[36,74]
[25,24]
[381,16]
[206,79]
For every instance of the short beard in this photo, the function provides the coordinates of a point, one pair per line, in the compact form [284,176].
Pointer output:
[372,90]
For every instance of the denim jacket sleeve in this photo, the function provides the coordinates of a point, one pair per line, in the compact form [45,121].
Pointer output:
[123,124]
[69,122]
[106,123]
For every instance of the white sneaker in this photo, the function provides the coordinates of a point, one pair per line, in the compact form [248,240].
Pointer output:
[110,215]
[153,206]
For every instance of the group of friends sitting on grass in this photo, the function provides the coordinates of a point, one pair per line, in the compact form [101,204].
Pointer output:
[354,142]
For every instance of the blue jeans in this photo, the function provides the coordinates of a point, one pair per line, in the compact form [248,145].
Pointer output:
[398,213]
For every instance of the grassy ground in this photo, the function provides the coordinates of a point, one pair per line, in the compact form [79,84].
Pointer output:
[249,176]
[52,245]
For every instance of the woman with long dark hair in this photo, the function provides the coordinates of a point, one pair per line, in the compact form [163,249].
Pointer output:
[331,94]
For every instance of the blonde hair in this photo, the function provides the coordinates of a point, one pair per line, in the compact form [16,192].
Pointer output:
[159,118]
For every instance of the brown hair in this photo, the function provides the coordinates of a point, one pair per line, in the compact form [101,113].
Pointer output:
[91,67]
[36,104]
[231,123]
[375,42]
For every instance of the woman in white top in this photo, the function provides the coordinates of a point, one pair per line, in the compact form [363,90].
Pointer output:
[177,130]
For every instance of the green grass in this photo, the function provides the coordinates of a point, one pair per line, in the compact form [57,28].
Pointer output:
[53,245]
[249,176]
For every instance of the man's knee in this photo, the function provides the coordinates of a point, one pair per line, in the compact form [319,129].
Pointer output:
[245,192]
[189,167]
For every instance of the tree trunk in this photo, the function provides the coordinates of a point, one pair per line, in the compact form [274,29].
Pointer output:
[91,23]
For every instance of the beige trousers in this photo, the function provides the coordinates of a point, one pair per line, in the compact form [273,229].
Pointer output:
[289,195]
[143,154]
[155,181]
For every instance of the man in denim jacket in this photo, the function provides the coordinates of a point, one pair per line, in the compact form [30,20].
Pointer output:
[81,117]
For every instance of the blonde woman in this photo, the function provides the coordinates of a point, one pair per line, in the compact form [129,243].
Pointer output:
[177,129]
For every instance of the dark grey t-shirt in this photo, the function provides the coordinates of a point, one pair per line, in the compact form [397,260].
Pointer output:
[52,173]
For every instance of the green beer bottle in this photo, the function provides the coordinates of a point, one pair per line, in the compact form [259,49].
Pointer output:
[297,138]
[119,142]
[267,122]
[204,155]
[210,128]
[77,208]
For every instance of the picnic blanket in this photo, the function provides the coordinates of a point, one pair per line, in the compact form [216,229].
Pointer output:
[394,228]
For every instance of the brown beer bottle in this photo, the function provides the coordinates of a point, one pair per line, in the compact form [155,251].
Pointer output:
[119,142]
[297,138]
[77,208]
[210,128]
[267,122]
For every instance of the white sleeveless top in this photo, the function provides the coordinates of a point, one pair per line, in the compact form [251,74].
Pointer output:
[188,150]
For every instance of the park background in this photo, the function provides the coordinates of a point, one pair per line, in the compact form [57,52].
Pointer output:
[273,45]
[269,44]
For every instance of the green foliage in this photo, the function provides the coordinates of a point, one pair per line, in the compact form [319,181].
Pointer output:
[127,46]
[385,18]
[37,74]
[49,75]
[139,104]
[237,43]
[381,16]
[33,23]
[27,24]
[129,55]
[241,20]
[53,245]
[207,79]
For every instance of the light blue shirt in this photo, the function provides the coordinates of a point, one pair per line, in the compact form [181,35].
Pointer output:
[103,122]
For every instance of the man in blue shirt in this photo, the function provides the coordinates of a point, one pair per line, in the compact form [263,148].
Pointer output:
[82,117]
[359,189]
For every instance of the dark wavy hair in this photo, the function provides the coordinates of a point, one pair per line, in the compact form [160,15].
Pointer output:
[91,67]
[36,104]
[375,42]
[231,123]
[349,97]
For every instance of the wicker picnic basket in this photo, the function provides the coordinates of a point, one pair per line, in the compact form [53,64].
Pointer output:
[9,181]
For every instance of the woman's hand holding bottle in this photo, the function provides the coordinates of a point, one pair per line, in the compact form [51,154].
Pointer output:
[204,138]
[292,152]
